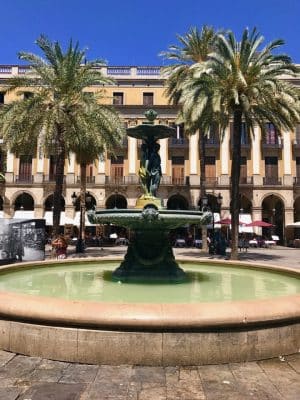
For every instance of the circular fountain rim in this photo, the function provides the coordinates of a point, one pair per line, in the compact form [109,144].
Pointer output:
[141,316]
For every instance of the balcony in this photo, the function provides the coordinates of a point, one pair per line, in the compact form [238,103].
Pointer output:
[21,179]
[89,180]
[5,69]
[148,71]
[276,144]
[297,181]
[211,181]
[122,180]
[178,142]
[212,142]
[118,71]
[174,181]
[51,178]
[272,181]
[296,143]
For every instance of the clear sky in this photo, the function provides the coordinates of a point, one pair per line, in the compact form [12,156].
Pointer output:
[133,32]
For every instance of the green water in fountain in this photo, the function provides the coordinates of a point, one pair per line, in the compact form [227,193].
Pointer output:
[206,283]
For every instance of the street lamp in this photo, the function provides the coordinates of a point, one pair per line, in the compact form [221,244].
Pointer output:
[80,245]
[213,209]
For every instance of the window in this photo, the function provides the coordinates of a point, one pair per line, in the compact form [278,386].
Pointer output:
[271,134]
[25,168]
[2,94]
[210,169]
[148,99]
[118,98]
[177,170]
[271,170]
[117,170]
[28,95]
[243,170]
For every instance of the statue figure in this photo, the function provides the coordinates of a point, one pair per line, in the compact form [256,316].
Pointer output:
[143,171]
[154,167]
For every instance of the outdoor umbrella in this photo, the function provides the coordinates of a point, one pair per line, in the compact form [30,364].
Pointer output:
[225,221]
[261,224]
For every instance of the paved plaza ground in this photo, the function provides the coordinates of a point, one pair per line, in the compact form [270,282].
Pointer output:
[31,378]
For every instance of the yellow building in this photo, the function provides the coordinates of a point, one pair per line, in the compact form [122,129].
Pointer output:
[270,171]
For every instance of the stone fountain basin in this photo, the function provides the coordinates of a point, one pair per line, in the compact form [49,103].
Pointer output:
[149,334]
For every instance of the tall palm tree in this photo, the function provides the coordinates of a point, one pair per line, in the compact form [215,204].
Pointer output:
[243,84]
[59,113]
[89,145]
[193,50]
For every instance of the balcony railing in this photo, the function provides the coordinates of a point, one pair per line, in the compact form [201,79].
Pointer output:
[23,178]
[211,181]
[297,181]
[178,142]
[122,180]
[118,71]
[171,180]
[269,180]
[277,144]
[212,142]
[23,70]
[296,143]
[89,179]
[51,178]
[246,180]
[5,69]
[148,71]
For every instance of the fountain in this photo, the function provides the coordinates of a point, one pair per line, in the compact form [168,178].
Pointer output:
[149,256]
[147,308]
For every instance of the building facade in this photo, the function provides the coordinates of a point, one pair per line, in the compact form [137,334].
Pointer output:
[270,170]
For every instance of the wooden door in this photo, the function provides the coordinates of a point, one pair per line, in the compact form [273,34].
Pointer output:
[25,168]
[210,169]
[178,175]
[271,170]
[243,170]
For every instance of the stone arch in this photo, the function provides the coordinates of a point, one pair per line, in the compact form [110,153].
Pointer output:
[177,202]
[24,201]
[90,202]
[297,209]
[212,203]
[273,208]
[19,193]
[116,200]
[48,203]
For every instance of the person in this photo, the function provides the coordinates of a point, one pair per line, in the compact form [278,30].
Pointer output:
[60,246]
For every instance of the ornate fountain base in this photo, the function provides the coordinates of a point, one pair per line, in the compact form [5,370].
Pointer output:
[149,258]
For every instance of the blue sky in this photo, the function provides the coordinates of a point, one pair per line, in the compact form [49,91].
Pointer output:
[133,32]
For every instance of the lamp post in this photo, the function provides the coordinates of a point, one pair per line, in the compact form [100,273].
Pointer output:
[80,244]
[212,246]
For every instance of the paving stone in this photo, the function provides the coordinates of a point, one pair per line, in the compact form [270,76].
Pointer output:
[49,371]
[117,373]
[283,377]
[53,391]
[79,373]
[149,374]
[294,361]
[219,383]
[9,393]
[5,357]
[184,384]
[19,367]
[253,382]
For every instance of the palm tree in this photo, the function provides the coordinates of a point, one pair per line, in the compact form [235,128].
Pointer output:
[243,84]
[89,145]
[193,50]
[59,112]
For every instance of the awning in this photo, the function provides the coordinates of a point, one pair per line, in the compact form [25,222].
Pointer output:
[77,220]
[23,214]
[48,216]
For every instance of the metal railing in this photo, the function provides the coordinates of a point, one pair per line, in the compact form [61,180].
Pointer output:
[148,71]
[24,179]
[211,181]
[5,69]
[270,180]
[178,142]
[89,179]
[122,180]
[118,71]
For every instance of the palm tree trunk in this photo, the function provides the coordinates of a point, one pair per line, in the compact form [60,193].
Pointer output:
[235,182]
[82,207]
[59,180]
[202,187]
